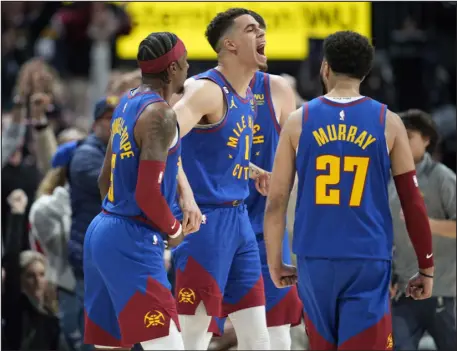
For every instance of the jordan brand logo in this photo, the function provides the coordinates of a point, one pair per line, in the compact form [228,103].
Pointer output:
[232,104]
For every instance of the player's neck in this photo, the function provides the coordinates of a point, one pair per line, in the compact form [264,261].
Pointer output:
[165,91]
[344,88]
[237,75]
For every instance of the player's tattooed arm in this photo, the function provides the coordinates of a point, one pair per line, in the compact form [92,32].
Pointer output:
[201,98]
[104,177]
[154,132]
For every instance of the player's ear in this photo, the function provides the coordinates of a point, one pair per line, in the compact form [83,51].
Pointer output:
[325,69]
[173,68]
[229,45]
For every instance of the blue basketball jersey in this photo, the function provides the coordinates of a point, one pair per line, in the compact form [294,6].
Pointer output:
[264,143]
[216,157]
[343,169]
[126,157]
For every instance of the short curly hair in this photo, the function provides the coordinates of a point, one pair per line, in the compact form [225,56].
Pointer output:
[221,23]
[349,53]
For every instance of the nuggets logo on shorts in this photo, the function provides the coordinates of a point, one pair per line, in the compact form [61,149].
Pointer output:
[154,319]
[390,343]
[186,295]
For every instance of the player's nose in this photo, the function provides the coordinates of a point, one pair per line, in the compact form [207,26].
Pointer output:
[260,33]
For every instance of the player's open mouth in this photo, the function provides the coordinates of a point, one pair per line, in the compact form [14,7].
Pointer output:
[261,49]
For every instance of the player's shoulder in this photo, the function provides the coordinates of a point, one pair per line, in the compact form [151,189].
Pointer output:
[279,83]
[201,89]
[157,112]
[393,121]
[293,126]
[295,120]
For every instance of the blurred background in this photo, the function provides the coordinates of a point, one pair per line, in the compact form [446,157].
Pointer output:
[61,61]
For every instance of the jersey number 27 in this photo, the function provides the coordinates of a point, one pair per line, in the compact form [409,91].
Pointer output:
[358,165]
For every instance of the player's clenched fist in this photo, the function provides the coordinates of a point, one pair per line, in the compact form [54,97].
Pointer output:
[283,276]
[420,286]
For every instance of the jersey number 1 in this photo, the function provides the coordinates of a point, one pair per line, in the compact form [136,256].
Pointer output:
[111,179]
[358,165]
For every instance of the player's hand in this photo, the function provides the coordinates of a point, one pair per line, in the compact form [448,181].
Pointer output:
[192,216]
[419,287]
[284,275]
[262,183]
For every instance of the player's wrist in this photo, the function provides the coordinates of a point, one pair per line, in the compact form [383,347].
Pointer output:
[275,265]
[427,272]
[177,233]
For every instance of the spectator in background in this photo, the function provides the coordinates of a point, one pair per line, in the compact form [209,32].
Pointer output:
[84,169]
[13,132]
[119,83]
[22,24]
[36,118]
[50,219]
[30,322]
[86,33]
[410,318]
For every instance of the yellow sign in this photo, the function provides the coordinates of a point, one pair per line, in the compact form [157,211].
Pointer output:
[289,24]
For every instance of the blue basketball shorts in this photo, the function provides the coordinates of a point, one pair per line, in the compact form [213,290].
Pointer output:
[219,265]
[127,294]
[346,303]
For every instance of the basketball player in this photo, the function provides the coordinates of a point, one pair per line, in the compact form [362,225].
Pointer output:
[127,294]
[275,101]
[343,146]
[218,271]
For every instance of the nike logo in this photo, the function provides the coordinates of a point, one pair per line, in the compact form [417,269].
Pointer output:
[429,255]
[173,226]
[440,309]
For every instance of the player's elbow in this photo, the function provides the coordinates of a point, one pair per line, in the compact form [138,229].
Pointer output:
[275,206]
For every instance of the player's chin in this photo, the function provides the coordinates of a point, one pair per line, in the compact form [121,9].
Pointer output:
[263,67]
[261,61]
